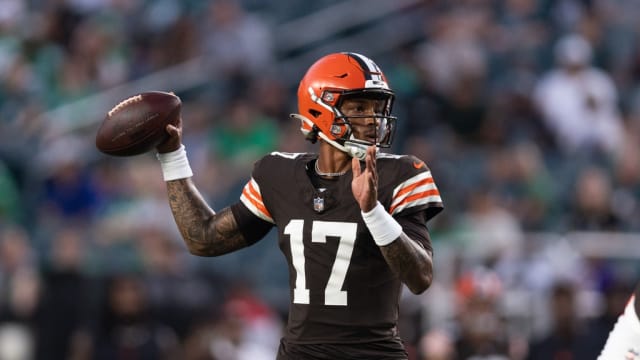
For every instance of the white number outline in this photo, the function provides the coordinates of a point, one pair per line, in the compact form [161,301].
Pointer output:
[346,234]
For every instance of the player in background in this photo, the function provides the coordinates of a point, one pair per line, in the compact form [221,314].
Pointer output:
[351,220]
[623,342]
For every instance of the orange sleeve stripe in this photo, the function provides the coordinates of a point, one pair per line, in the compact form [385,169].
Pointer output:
[251,190]
[409,188]
[252,195]
[421,195]
[256,203]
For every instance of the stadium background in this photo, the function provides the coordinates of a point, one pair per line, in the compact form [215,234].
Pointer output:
[539,235]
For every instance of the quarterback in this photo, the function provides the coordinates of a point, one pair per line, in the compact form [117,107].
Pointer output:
[351,220]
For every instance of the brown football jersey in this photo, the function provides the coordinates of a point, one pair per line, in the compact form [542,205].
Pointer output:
[342,290]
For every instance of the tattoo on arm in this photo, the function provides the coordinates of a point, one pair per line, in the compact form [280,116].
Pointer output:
[204,232]
[411,262]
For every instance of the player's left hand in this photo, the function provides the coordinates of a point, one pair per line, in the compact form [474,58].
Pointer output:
[365,183]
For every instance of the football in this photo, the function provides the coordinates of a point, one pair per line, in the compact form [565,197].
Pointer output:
[137,124]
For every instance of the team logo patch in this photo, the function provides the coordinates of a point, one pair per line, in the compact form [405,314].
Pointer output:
[318,204]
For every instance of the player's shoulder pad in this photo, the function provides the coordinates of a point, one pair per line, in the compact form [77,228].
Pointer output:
[402,167]
[278,163]
[408,184]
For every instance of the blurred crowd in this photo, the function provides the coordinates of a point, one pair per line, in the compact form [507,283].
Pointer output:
[526,111]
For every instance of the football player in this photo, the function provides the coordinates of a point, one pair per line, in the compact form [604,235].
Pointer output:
[351,220]
[623,342]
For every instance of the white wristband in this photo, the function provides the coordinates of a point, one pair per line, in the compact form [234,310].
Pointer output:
[382,226]
[175,164]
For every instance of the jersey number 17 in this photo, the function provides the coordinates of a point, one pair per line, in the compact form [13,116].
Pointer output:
[346,232]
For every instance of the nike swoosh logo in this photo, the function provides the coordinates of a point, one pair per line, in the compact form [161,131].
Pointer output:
[418,164]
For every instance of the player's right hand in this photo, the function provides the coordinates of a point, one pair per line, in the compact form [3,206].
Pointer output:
[365,183]
[174,141]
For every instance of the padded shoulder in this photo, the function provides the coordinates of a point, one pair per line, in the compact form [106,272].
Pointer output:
[408,184]
[278,164]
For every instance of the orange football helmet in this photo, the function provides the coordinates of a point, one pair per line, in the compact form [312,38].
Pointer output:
[322,90]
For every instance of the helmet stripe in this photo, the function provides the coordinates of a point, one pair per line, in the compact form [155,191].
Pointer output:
[371,71]
[365,63]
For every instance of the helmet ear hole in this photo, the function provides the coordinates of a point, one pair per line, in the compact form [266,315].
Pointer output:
[314,113]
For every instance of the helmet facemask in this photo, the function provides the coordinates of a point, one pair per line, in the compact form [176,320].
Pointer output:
[384,124]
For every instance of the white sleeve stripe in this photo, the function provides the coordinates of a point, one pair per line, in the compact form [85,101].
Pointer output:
[255,210]
[255,185]
[420,201]
[417,190]
[257,199]
[419,177]
[253,201]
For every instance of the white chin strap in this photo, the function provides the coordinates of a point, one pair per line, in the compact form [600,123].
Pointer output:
[356,150]
[351,147]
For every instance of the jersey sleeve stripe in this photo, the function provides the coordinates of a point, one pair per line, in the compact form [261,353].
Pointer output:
[418,190]
[425,197]
[413,188]
[417,178]
[254,195]
[252,199]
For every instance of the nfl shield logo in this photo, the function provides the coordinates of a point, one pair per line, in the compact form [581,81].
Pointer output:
[318,204]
